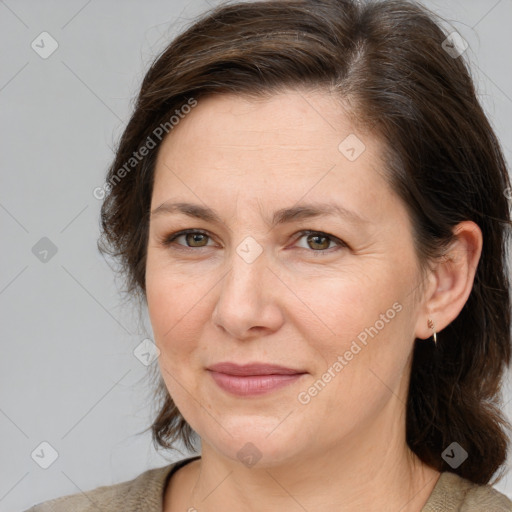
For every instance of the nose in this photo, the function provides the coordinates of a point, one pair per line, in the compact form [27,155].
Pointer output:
[249,298]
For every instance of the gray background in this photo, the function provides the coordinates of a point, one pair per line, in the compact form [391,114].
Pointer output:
[68,375]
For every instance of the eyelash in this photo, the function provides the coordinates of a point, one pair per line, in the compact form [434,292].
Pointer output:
[169,240]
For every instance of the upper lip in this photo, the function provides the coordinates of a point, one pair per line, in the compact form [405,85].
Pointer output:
[253,369]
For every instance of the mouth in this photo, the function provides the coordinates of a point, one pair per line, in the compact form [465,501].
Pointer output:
[252,369]
[254,378]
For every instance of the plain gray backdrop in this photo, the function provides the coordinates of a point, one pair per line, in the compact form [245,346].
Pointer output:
[68,373]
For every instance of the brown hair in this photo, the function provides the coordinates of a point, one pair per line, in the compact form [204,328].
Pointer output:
[386,60]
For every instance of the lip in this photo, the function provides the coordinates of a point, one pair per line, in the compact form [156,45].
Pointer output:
[253,379]
[252,369]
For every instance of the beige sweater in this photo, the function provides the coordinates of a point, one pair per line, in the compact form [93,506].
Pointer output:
[145,494]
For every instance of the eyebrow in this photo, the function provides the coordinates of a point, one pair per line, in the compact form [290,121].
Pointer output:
[282,216]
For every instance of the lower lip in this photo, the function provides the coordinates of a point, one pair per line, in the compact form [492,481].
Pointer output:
[253,384]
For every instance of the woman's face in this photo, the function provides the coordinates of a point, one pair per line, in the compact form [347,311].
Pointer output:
[339,305]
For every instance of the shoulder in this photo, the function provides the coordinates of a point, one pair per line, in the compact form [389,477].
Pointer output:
[141,493]
[453,492]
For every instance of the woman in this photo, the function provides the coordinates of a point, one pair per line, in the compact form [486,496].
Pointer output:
[312,204]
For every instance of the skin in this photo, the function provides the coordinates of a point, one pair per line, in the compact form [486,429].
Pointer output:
[345,449]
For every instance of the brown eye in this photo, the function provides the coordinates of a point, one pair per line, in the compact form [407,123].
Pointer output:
[318,242]
[196,239]
[188,239]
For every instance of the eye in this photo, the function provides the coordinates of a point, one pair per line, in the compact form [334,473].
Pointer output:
[319,241]
[193,239]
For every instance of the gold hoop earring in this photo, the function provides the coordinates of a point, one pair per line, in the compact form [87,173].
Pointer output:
[431,325]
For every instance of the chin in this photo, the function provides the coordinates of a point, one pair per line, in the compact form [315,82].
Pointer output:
[255,444]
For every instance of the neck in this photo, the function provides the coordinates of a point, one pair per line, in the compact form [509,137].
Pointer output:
[372,470]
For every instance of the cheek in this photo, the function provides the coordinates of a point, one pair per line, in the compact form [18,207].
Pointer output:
[341,304]
[173,306]
[357,366]
[361,316]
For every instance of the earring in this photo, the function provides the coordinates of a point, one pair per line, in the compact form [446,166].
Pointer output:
[431,325]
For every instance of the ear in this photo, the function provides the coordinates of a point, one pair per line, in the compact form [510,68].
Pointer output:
[451,280]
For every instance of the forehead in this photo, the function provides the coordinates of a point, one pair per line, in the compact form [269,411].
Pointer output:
[285,121]
[277,149]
